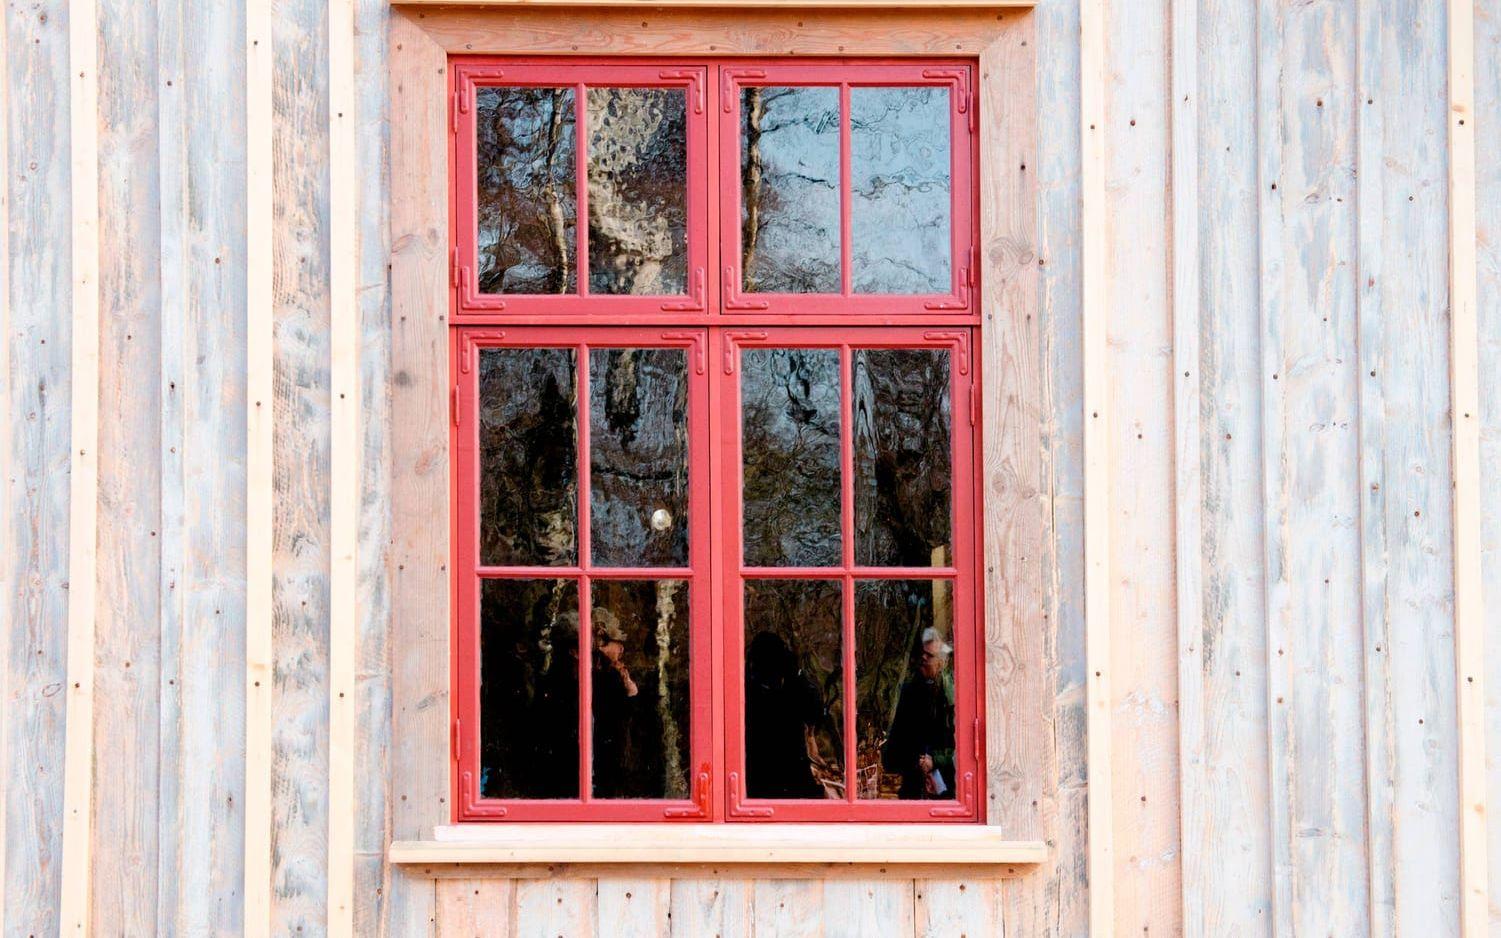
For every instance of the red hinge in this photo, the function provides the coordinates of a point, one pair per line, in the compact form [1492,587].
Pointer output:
[974,404]
[453,266]
[977,737]
[463,283]
[456,738]
[974,110]
[453,110]
[974,265]
[454,400]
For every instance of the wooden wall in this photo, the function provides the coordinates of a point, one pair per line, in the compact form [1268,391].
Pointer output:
[1279,486]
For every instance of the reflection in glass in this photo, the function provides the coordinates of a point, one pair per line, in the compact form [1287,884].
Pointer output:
[527,449]
[789,190]
[794,686]
[639,689]
[903,463]
[899,190]
[529,689]
[904,689]
[638,190]
[789,407]
[524,158]
[638,435]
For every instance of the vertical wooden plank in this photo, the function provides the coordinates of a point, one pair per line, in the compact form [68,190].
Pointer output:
[8,584]
[260,502]
[1226,838]
[957,908]
[127,667]
[1306,98]
[345,447]
[475,908]
[633,907]
[172,320]
[711,908]
[1188,484]
[220,158]
[546,908]
[1140,478]
[1097,515]
[853,908]
[1055,901]
[83,488]
[372,667]
[787,907]
[1464,364]
[1403,486]
[1487,111]
[301,489]
[419,462]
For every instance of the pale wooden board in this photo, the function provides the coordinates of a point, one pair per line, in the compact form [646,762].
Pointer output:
[1139,473]
[1227,846]
[372,665]
[853,908]
[261,509]
[475,908]
[172,218]
[207,871]
[546,908]
[711,908]
[36,485]
[301,483]
[787,908]
[128,641]
[1306,99]
[418,560]
[344,476]
[83,468]
[1488,327]
[8,584]
[635,907]
[956,908]
[1404,481]
[1095,298]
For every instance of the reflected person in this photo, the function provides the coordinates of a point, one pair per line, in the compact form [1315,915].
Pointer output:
[782,705]
[614,691]
[920,746]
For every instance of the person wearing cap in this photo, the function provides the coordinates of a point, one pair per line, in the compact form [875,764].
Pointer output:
[920,746]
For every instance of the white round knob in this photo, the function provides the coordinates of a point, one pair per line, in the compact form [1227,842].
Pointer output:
[661,519]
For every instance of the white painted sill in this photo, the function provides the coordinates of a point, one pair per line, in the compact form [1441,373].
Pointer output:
[767,844]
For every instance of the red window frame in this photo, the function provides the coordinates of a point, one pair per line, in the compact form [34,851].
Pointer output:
[714,323]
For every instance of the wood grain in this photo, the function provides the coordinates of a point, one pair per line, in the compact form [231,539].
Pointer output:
[83,469]
[635,907]
[711,907]
[127,666]
[546,908]
[783,908]
[853,908]
[475,908]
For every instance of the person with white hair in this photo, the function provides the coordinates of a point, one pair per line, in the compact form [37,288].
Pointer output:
[920,745]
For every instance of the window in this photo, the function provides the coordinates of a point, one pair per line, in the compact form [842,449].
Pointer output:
[715,536]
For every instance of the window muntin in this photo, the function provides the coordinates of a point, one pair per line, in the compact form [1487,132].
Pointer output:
[627,514]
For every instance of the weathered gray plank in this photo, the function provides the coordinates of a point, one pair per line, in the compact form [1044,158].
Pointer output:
[546,908]
[372,663]
[127,640]
[787,907]
[211,766]
[300,601]
[1306,99]
[853,908]
[1405,477]
[1229,890]
[966,908]
[713,908]
[36,483]
[635,907]
[1488,310]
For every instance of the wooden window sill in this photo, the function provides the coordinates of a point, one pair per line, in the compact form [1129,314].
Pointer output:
[766,844]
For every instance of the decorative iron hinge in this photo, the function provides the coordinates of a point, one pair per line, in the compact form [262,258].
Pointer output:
[453,266]
[454,402]
[456,738]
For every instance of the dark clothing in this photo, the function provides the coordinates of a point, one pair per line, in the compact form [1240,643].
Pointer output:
[780,704]
[923,726]
[612,710]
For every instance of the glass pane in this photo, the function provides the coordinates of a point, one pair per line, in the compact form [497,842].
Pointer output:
[794,689]
[529,689]
[527,447]
[789,190]
[524,156]
[638,190]
[789,407]
[899,190]
[639,689]
[638,436]
[903,472]
[904,689]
